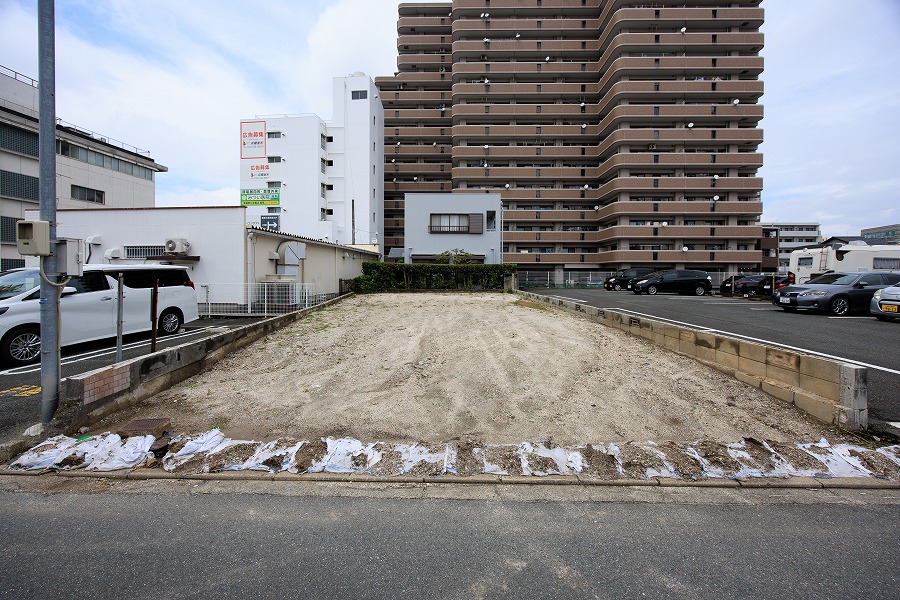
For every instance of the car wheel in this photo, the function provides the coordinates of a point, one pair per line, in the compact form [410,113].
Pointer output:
[169,322]
[699,290]
[651,289]
[839,306]
[22,346]
[617,287]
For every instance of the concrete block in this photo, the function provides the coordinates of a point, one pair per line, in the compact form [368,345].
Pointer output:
[706,340]
[780,391]
[727,359]
[783,359]
[687,347]
[658,338]
[854,398]
[820,368]
[727,346]
[820,408]
[752,351]
[782,375]
[705,353]
[672,343]
[752,367]
[820,387]
[748,379]
[688,335]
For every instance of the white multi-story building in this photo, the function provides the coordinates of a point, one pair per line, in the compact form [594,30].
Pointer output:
[320,179]
[792,236]
[92,171]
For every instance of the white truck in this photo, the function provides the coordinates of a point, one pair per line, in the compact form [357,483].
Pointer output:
[807,263]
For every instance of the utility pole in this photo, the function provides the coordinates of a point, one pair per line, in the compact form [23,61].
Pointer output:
[50,293]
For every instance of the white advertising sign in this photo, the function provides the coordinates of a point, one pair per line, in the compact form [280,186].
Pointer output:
[253,139]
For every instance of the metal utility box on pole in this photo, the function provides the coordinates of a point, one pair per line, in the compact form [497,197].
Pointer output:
[50,289]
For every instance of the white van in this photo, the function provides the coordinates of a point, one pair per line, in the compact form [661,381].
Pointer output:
[88,306]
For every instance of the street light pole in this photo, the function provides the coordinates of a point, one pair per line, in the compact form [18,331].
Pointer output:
[50,293]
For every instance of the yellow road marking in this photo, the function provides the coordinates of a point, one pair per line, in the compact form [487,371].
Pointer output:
[22,391]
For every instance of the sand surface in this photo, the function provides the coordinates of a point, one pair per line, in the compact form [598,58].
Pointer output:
[447,367]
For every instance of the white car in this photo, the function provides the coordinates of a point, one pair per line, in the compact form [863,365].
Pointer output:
[88,306]
[885,304]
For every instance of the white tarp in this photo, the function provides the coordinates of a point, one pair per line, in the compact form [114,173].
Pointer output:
[105,452]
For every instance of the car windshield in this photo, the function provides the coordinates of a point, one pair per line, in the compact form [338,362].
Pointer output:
[13,283]
[618,274]
[835,279]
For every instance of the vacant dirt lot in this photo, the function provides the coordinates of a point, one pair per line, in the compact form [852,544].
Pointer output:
[442,367]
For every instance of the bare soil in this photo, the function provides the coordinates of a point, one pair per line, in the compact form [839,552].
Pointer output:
[463,368]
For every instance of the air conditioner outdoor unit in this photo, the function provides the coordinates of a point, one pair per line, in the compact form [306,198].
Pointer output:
[177,246]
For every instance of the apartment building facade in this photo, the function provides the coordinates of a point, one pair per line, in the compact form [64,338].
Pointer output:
[617,133]
[320,179]
[93,171]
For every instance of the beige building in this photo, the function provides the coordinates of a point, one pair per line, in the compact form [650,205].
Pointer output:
[617,134]
[93,171]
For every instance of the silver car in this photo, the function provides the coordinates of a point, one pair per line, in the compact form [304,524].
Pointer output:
[885,304]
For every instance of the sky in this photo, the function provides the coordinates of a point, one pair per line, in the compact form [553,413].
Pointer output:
[175,78]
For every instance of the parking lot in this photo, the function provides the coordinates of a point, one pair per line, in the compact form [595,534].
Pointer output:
[858,338]
[20,391]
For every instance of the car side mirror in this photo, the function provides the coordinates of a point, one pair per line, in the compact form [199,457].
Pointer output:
[69,290]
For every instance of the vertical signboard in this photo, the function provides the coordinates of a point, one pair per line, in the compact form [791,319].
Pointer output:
[253,139]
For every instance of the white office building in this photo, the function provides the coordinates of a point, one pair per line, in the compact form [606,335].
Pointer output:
[792,236]
[319,179]
[92,170]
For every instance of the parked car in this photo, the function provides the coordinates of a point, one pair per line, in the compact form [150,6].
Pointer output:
[88,307]
[682,281]
[619,280]
[836,293]
[885,303]
[765,286]
[743,284]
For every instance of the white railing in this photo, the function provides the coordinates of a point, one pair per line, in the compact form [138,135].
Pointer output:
[257,299]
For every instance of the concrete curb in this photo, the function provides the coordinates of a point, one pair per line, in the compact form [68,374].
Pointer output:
[852,483]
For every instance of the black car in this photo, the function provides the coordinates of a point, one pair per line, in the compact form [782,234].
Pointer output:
[682,281]
[836,293]
[742,284]
[619,280]
[765,286]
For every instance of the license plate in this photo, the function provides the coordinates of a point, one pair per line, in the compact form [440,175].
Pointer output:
[767,287]
[784,300]
[889,307]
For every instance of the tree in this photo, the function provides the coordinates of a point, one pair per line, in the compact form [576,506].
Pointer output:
[457,256]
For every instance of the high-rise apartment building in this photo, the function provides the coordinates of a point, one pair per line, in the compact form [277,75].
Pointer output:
[617,133]
[792,236]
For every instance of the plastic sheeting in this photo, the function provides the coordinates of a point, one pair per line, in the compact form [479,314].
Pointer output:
[756,458]
[105,452]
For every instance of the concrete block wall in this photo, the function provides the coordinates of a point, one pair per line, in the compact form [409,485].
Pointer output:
[829,390]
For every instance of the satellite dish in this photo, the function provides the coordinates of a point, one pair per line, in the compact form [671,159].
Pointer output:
[690,125]
[735,101]
[683,29]
[715,198]
[684,249]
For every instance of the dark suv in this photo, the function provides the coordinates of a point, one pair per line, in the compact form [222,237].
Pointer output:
[619,280]
[836,293]
[682,281]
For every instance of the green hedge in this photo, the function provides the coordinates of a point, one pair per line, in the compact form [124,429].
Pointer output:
[380,277]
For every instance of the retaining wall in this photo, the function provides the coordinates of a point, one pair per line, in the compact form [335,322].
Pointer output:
[829,390]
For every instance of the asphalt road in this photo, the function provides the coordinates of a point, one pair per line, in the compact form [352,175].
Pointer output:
[255,545]
[857,338]
[20,392]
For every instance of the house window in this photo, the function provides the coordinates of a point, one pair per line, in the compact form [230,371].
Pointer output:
[273,184]
[273,135]
[322,190]
[87,194]
[359,95]
[322,164]
[445,223]
[491,220]
[8,229]
[273,159]
[144,251]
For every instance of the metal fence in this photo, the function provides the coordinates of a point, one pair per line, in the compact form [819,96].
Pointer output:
[262,299]
[587,279]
